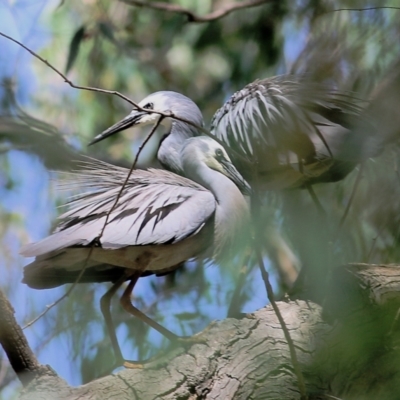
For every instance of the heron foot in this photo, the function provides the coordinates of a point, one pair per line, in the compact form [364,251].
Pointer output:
[187,341]
[133,364]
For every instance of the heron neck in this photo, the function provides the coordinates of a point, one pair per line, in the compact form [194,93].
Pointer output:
[170,147]
[232,211]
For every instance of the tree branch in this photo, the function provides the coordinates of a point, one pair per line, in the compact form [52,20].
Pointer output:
[362,9]
[191,16]
[355,357]
[292,350]
[112,92]
[15,345]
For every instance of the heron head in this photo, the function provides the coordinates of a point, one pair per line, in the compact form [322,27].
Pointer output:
[206,150]
[152,108]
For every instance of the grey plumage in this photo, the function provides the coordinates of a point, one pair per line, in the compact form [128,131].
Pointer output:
[160,221]
[286,131]
[164,101]
[290,131]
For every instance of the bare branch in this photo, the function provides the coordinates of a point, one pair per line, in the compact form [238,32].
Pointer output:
[135,105]
[14,343]
[362,9]
[353,193]
[293,356]
[156,125]
[115,93]
[191,16]
[112,92]
[97,240]
[66,294]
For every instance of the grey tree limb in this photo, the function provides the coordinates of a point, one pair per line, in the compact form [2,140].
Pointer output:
[346,349]
[16,347]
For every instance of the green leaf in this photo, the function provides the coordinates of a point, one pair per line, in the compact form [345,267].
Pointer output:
[74,47]
[107,31]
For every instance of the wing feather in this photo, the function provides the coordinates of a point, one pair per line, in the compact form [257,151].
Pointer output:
[156,207]
[279,121]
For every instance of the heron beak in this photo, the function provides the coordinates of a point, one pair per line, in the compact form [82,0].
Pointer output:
[132,119]
[233,174]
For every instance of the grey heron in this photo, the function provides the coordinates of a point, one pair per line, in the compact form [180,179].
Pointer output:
[161,220]
[286,131]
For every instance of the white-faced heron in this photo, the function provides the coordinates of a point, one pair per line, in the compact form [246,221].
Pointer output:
[286,131]
[161,220]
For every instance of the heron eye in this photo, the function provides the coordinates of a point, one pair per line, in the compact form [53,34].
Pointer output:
[219,155]
[149,106]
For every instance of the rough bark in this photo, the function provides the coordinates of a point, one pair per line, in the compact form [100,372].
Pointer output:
[15,345]
[346,349]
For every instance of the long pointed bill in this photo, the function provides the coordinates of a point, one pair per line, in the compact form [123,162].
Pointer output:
[233,174]
[132,119]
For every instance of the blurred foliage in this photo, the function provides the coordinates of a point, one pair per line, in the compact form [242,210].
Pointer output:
[137,51]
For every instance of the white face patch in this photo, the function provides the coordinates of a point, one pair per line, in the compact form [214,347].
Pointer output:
[149,119]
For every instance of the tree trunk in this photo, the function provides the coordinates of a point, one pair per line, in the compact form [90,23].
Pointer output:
[346,349]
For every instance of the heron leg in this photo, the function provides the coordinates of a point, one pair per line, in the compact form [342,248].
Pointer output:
[105,306]
[236,300]
[131,309]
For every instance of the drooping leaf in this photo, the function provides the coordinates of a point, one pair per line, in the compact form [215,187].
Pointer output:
[74,47]
[107,31]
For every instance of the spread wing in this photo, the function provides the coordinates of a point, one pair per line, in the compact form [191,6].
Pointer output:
[156,207]
[289,124]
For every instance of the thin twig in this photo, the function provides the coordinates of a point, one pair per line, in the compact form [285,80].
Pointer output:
[353,193]
[135,105]
[315,199]
[233,309]
[162,115]
[97,239]
[66,294]
[112,92]
[193,17]
[120,95]
[156,125]
[361,9]
[65,78]
[394,323]
[371,251]
[292,350]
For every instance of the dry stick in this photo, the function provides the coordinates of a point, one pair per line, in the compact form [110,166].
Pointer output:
[235,300]
[292,350]
[193,17]
[120,95]
[361,9]
[353,193]
[310,190]
[97,239]
[156,125]
[92,89]
[66,294]
[162,116]
[271,298]
[315,199]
